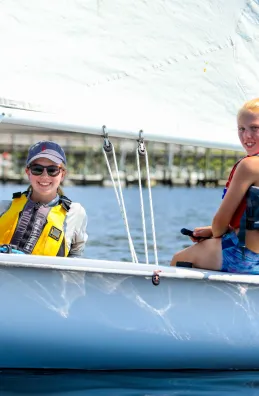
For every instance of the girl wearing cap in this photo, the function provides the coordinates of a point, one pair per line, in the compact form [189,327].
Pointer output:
[42,221]
[233,244]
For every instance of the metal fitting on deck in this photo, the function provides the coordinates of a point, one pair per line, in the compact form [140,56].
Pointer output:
[156,278]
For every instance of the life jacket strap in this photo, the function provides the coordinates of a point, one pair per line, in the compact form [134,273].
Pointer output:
[65,202]
[19,194]
[62,249]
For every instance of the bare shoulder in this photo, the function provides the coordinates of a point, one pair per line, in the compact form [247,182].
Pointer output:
[247,172]
[249,165]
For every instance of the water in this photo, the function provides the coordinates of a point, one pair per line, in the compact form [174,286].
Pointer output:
[174,208]
[129,383]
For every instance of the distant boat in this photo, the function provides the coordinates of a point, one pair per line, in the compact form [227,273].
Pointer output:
[179,71]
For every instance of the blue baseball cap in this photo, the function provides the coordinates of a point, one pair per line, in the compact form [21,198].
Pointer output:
[46,149]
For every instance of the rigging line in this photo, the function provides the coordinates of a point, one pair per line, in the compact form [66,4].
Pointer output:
[151,208]
[122,210]
[120,202]
[123,206]
[142,207]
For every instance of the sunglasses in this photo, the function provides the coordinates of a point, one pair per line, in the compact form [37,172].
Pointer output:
[52,170]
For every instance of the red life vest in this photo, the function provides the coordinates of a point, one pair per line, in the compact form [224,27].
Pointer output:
[235,221]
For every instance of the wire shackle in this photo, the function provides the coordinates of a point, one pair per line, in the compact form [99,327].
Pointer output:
[141,145]
[107,145]
[2,115]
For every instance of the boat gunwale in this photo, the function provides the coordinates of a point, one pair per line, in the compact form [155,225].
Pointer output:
[132,269]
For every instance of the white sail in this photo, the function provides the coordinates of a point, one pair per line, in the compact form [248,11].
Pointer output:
[173,68]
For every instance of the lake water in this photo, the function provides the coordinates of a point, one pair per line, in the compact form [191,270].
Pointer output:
[174,208]
[132,383]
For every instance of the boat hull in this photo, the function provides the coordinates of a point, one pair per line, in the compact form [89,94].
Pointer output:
[75,319]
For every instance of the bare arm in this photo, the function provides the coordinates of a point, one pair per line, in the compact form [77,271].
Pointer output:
[246,174]
[204,232]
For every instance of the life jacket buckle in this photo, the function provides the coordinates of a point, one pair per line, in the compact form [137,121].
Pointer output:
[9,248]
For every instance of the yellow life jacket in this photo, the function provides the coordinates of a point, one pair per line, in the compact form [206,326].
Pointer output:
[51,241]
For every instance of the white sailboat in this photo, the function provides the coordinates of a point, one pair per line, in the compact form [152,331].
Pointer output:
[179,71]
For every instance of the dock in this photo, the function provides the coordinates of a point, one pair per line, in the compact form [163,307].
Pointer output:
[170,165]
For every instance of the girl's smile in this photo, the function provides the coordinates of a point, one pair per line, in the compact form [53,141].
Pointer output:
[248,131]
[44,187]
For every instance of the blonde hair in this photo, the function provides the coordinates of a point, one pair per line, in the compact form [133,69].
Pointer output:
[251,105]
[60,191]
